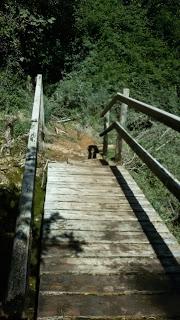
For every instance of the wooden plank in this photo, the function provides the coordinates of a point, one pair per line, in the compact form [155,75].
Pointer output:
[104,225]
[63,167]
[93,199]
[81,179]
[76,163]
[79,265]
[116,192]
[87,283]
[100,318]
[172,184]
[88,199]
[53,236]
[101,191]
[72,248]
[57,205]
[79,186]
[79,170]
[118,216]
[125,305]
[77,173]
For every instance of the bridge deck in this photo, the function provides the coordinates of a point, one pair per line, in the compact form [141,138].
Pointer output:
[105,251]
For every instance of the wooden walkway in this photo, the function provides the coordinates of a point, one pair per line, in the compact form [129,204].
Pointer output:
[106,254]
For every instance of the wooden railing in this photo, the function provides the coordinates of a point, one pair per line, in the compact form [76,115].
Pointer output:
[173,121]
[18,277]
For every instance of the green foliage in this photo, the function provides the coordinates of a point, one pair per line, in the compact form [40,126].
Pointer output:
[164,17]
[114,48]
[35,35]
[13,94]
[21,128]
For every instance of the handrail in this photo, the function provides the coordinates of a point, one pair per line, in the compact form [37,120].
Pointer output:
[18,277]
[172,184]
[167,118]
[173,121]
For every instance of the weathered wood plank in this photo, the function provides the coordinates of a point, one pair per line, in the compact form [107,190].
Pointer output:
[108,236]
[91,206]
[74,248]
[65,170]
[103,225]
[113,250]
[97,215]
[81,179]
[102,318]
[118,199]
[101,191]
[102,284]
[124,305]
[99,265]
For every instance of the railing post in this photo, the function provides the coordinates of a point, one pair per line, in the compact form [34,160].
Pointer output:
[41,122]
[122,120]
[105,138]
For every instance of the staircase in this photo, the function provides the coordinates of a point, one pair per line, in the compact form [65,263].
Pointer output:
[106,254]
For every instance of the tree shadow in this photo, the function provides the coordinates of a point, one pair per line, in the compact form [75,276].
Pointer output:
[64,241]
[163,253]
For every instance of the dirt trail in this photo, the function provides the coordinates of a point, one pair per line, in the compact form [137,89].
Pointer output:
[68,142]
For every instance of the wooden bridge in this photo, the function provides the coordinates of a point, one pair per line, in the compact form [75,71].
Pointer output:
[106,253]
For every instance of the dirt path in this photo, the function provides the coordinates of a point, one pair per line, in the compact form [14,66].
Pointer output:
[68,142]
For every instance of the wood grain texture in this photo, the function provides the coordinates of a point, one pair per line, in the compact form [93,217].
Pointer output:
[167,118]
[18,276]
[106,253]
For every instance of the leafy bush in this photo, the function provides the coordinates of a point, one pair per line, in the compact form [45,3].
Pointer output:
[13,94]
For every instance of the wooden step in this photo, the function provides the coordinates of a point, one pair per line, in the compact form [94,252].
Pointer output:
[138,305]
[104,225]
[88,283]
[108,236]
[102,265]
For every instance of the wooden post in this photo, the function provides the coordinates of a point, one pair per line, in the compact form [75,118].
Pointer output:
[122,120]
[105,138]
[41,122]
